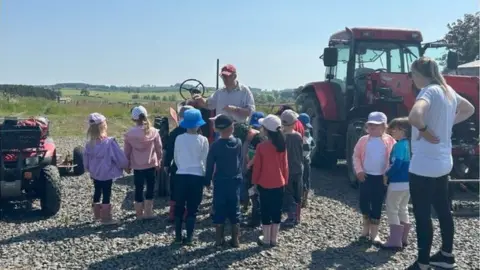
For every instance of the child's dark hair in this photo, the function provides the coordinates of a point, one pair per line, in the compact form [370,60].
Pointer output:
[401,123]
[146,123]
[278,139]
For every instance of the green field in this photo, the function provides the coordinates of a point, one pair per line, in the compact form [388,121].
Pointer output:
[71,119]
[114,96]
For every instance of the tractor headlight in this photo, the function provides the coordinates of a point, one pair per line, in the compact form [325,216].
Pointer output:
[31,161]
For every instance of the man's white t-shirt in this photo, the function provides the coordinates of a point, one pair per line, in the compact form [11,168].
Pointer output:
[435,160]
[240,97]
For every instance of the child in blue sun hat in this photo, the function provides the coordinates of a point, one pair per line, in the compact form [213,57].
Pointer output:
[308,144]
[190,156]
[254,119]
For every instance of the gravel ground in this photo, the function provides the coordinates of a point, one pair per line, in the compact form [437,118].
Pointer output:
[324,240]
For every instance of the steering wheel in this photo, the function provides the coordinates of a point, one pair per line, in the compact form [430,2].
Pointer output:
[186,85]
[361,76]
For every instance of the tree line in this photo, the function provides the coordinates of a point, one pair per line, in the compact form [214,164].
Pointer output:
[14,90]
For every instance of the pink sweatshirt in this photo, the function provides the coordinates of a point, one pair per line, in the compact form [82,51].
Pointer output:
[143,151]
[359,151]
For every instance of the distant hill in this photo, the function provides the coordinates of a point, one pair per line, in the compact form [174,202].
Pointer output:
[14,90]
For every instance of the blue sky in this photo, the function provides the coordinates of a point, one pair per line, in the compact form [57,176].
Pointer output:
[274,44]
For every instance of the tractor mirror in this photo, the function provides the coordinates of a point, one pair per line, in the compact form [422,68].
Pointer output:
[452,60]
[330,57]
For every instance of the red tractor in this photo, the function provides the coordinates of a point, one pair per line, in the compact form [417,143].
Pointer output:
[367,70]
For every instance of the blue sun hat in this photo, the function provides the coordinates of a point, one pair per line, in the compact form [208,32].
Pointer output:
[254,119]
[305,119]
[192,118]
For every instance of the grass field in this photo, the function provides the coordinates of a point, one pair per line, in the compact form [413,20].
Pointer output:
[71,119]
[115,96]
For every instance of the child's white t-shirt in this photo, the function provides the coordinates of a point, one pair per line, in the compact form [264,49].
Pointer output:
[190,154]
[375,153]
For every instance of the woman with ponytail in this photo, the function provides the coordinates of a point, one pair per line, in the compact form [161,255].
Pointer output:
[143,148]
[437,108]
[270,176]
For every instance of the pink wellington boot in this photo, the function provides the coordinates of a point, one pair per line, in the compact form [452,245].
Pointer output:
[274,234]
[96,209]
[148,209]
[406,231]
[106,215]
[139,210]
[395,239]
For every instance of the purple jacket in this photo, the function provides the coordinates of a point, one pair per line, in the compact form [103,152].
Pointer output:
[104,160]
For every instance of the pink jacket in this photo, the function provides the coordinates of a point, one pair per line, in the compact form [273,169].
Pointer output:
[143,151]
[359,151]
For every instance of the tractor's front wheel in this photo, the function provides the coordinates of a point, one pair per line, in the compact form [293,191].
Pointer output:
[78,161]
[320,158]
[355,130]
[50,195]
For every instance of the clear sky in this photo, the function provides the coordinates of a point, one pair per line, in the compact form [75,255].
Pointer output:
[274,44]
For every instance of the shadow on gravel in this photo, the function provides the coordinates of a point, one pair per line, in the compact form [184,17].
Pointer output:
[20,213]
[334,184]
[168,257]
[353,256]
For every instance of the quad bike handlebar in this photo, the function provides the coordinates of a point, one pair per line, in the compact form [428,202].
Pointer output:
[199,88]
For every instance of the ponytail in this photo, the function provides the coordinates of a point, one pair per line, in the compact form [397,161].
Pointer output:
[428,68]
[278,139]
[145,122]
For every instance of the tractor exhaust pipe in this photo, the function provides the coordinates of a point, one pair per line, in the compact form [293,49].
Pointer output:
[218,71]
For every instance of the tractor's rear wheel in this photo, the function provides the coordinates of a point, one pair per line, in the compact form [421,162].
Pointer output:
[355,130]
[50,195]
[78,161]
[307,103]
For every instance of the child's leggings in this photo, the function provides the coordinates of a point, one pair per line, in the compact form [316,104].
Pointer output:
[102,188]
[372,193]
[306,174]
[139,178]
[271,204]
[189,193]
[293,192]
[397,205]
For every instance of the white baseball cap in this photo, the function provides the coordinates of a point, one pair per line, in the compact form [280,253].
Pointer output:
[270,122]
[137,111]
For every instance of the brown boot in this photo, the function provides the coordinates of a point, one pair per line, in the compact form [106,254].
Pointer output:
[219,235]
[305,199]
[96,208]
[148,209]
[139,210]
[235,242]
[106,214]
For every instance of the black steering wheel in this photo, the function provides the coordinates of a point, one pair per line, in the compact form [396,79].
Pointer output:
[362,76]
[186,85]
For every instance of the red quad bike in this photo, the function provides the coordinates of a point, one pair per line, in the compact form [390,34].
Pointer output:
[193,87]
[28,163]
[367,70]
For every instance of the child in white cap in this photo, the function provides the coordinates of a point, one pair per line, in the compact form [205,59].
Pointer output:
[143,148]
[371,160]
[104,160]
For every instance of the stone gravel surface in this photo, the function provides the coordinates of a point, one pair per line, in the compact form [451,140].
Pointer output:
[326,238]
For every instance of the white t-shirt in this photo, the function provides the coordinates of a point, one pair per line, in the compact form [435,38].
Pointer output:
[190,154]
[435,160]
[375,153]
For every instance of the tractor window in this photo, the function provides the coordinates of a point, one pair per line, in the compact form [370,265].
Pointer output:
[340,70]
[370,56]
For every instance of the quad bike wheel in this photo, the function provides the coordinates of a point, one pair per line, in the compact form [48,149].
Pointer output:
[355,130]
[308,103]
[78,161]
[50,195]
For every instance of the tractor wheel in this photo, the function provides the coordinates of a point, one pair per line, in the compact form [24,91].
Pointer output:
[355,130]
[78,160]
[50,195]
[320,158]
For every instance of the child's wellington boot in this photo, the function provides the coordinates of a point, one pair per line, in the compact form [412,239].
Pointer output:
[265,238]
[171,211]
[148,209]
[235,242]
[374,232]
[96,209]
[406,231]
[139,210]
[298,213]
[178,230]
[106,215]
[190,226]
[395,239]
[366,227]
[305,199]
[274,234]
[219,235]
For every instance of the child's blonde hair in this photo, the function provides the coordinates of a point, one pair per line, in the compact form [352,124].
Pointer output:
[429,69]
[96,132]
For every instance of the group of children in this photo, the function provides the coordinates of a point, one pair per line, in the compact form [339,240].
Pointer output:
[381,161]
[271,162]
